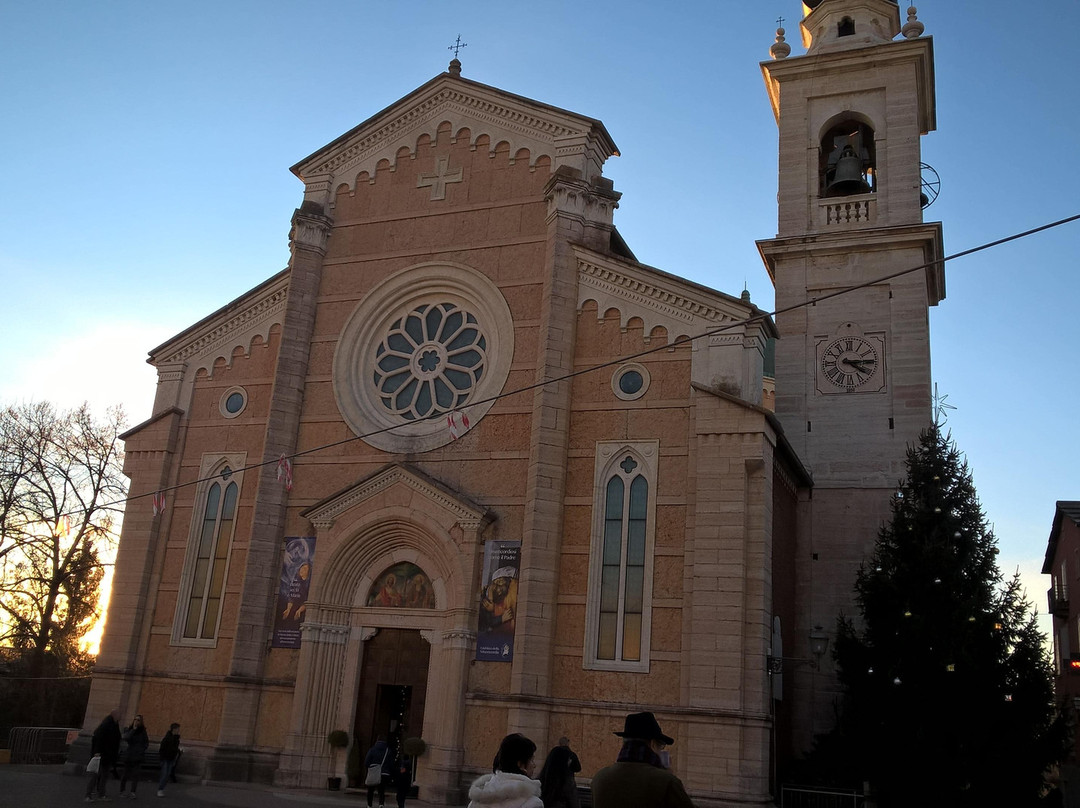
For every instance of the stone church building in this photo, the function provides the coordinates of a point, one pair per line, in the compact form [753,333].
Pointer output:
[467,467]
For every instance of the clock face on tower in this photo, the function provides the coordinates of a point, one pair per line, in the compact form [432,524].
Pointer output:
[849,364]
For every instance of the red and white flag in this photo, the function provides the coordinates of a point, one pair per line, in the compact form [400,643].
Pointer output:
[457,423]
[284,472]
[159,503]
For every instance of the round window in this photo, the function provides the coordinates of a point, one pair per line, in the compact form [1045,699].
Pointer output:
[430,361]
[630,382]
[425,342]
[233,401]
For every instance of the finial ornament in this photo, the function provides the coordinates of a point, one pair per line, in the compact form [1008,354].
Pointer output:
[912,28]
[780,49]
[457,46]
[940,407]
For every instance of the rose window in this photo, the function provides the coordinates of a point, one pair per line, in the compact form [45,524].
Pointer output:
[430,361]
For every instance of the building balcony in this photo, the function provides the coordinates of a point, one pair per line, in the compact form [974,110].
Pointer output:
[842,212]
[1057,598]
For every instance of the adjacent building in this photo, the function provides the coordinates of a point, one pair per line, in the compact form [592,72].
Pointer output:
[1062,564]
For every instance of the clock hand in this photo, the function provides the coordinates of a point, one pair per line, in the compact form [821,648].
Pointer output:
[858,363]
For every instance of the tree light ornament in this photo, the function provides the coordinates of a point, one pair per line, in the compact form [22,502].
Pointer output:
[896,681]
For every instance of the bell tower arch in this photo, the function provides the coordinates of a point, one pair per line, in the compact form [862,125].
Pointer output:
[853,382]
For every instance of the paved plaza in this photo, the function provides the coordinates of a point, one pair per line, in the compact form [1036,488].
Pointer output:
[49,787]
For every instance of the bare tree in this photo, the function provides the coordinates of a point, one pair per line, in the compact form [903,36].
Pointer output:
[62,490]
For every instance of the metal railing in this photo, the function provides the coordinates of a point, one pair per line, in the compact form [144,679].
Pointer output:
[809,797]
[1058,600]
[40,744]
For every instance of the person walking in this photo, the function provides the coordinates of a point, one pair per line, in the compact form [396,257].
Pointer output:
[105,743]
[510,785]
[639,778]
[168,751]
[558,788]
[402,778]
[137,744]
[379,755]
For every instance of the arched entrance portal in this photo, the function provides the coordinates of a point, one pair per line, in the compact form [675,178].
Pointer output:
[393,688]
[390,629]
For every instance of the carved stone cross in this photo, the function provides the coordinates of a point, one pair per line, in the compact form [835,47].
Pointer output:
[440,179]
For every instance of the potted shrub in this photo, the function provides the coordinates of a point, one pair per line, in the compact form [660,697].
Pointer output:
[414,748]
[338,739]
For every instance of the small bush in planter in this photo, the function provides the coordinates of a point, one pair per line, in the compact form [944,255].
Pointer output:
[414,747]
[338,739]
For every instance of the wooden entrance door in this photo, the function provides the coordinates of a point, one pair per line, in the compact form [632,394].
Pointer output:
[393,688]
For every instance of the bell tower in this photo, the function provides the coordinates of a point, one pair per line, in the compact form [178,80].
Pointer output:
[853,384]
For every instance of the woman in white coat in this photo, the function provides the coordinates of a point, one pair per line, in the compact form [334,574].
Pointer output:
[511,784]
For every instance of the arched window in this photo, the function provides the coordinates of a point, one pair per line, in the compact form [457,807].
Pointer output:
[621,561]
[206,567]
[848,159]
[846,27]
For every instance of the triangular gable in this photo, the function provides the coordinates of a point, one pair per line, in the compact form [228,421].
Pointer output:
[567,138]
[323,514]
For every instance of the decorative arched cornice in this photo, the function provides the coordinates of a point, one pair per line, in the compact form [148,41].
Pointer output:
[237,325]
[357,561]
[656,298]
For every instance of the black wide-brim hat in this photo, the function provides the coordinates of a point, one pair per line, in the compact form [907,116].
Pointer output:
[643,726]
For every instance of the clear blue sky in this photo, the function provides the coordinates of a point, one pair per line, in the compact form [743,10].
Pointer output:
[146,149]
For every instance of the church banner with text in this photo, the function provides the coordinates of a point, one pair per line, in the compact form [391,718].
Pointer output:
[498,601]
[292,592]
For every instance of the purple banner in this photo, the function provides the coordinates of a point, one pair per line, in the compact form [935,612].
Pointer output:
[292,593]
[498,601]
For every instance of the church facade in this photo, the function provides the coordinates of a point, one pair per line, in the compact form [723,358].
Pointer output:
[467,467]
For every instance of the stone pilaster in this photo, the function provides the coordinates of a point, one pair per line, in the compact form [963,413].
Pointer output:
[578,212]
[307,759]
[232,758]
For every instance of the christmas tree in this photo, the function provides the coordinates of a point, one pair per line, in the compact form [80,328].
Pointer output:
[949,689]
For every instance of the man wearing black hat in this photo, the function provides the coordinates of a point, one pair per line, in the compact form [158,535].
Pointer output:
[639,778]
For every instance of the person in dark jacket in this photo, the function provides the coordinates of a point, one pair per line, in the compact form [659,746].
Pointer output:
[558,788]
[137,743]
[106,743]
[402,778]
[168,751]
[379,754]
[639,778]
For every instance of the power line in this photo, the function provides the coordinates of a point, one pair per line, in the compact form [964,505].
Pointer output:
[622,359]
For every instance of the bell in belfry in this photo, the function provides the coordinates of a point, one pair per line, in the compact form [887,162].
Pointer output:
[848,177]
